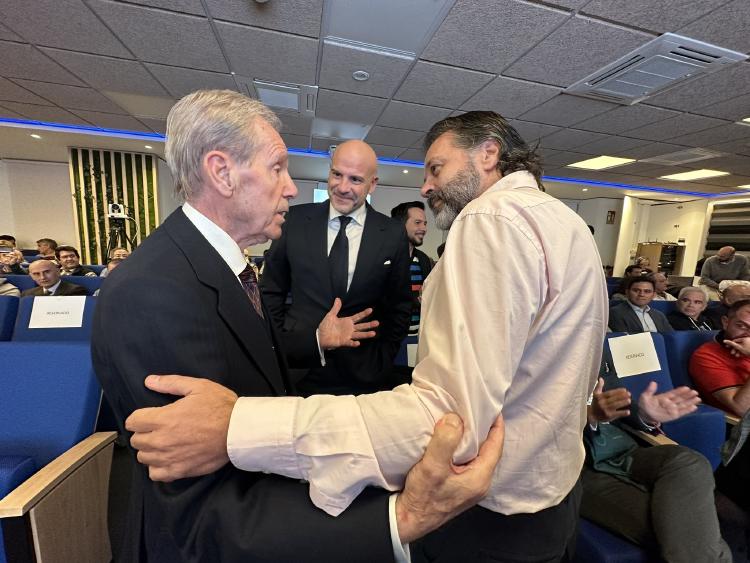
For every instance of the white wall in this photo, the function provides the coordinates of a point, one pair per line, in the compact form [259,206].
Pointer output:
[674,221]
[41,202]
[7,220]
[633,213]
[594,211]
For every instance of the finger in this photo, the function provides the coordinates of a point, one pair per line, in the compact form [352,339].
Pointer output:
[599,386]
[445,439]
[361,315]
[617,403]
[491,450]
[181,385]
[162,474]
[651,389]
[144,420]
[336,307]
[366,326]
[363,336]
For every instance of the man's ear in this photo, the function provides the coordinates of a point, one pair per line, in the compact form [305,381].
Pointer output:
[217,170]
[488,155]
[724,322]
[373,184]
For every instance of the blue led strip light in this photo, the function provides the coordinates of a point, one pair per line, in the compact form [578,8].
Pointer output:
[158,137]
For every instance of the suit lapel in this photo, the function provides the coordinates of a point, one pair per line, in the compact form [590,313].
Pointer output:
[233,304]
[369,247]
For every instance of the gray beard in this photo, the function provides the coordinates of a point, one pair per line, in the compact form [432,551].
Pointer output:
[455,195]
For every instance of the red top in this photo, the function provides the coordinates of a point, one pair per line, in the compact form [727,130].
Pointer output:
[713,368]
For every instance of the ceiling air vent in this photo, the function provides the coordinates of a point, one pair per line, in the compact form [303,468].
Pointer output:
[659,64]
[683,157]
[288,98]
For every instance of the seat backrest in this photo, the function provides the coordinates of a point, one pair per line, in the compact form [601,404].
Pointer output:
[91,283]
[50,398]
[680,346]
[637,383]
[8,313]
[665,307]
[95,268]
[21,282]
[22,332]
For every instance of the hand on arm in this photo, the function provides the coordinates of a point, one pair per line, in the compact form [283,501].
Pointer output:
[736,400]
[344,332]
[437,490]
[186,438]
[667,406]
[608,405]
[739,346]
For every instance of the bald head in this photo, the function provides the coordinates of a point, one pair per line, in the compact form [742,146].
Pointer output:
[353,175]
[735,293]
[725,253]
[44,272]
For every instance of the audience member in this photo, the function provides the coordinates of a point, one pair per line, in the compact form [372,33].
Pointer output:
[70,262]
[634,314]
[341,248]
[691,302]
[660,497]
[411,214]
[721,372]
[119,253]
[644,264]
[9,239]
[10,261]
[726,264]
[660,287]
[728,296]
[111,265]
[7,288]
[632,271]
[46,248]
[46,274]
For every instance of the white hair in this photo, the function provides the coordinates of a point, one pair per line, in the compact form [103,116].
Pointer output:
[693,289]
[209,120]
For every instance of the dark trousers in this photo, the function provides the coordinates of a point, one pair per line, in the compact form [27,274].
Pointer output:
[734,479]
[482,535]
[675,516]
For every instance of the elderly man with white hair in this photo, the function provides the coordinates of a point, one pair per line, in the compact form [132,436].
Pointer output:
[691,303]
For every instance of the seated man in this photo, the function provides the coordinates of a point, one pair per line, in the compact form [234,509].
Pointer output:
[634,315]
[46,274]
[70,262]
[660,287]
[10,261]
[7,288]
[632,271]
[725,265]
[729,295]
[111,265]
[46,247]
[691,303]
[721,372]
[663,501]
[118,253]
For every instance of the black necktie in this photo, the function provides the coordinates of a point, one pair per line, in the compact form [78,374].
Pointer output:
[338,259]
[250,284]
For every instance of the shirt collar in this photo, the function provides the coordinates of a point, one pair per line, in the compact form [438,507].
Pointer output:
[229,250]
[515,180]
[358,215]
[53,289]
[636,308]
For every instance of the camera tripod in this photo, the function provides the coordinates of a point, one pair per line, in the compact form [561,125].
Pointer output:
[118,236]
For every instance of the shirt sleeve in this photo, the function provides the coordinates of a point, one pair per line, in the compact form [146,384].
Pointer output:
[710,373]
[471,342]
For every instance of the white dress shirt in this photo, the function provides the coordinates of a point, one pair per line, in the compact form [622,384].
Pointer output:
[353,234]
[51,290]
[513,319]
[643,315]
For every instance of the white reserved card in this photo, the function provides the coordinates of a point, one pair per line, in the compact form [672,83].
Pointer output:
[411,354]
[57,312]
[634,354]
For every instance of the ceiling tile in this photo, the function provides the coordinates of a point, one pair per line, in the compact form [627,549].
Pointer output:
[111,120]
[156,125]
[163,37]
[44,113]
[571,4]
[301,17]
[570,139]
[7,113]
[611,145]
[530,132]
[510,97]
[182,81]
[720,134]
[186,6]
[344,106]
[411,116]
[440,85]
[740,146]
[392,137]
[665,15]
[552,158]
[732,163]
[565,110]
[413,155]
[706,91]
[625,117]
[726,26]
[385,151]
[12,92]
[294,123]
[19,60]
[339,62]
[650,170]
[673,127]
[73,97]
[322,143]
[8,35]
[490,34]
[68,25]
[293,141]
[106,73]
[248,49]
[731,181]
[735,109]
[575,50]
[651,150]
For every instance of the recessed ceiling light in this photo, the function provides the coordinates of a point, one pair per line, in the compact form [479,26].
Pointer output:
[360,75]
[232,73]
[694,175]
[744,187]
[35,136]
[148,146]
[405,171]
[601,162]
[584,189]
[746,119]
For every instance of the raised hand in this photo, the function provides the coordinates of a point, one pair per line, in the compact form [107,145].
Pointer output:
[344,332]
[609,405]
[670,405]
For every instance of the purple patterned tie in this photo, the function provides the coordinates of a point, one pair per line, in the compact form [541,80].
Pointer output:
[250,284]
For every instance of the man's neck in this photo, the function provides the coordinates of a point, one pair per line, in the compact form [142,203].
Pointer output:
[411,249]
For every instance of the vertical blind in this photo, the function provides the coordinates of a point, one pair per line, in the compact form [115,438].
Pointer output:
[730,226]
[101,177]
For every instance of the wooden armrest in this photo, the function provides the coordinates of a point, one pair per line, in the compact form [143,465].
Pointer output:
[731,419]
[28,493]
[658,440]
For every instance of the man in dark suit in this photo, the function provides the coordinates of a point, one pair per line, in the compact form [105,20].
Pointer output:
[46,274]
[365,264]
[634,314]
[186,302]
[412,215]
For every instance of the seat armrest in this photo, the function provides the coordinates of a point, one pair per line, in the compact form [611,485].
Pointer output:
[27,494]
[653,440]
[731,419]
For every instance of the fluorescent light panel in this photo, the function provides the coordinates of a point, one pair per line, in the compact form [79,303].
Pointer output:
[744,186]
[601,163]
[694,175]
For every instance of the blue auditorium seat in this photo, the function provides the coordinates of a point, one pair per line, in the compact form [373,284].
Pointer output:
[680,346]
[22,332]
[91,283]
[597,545]
[21,282]
[665,307]
[8,313]
[95,267]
